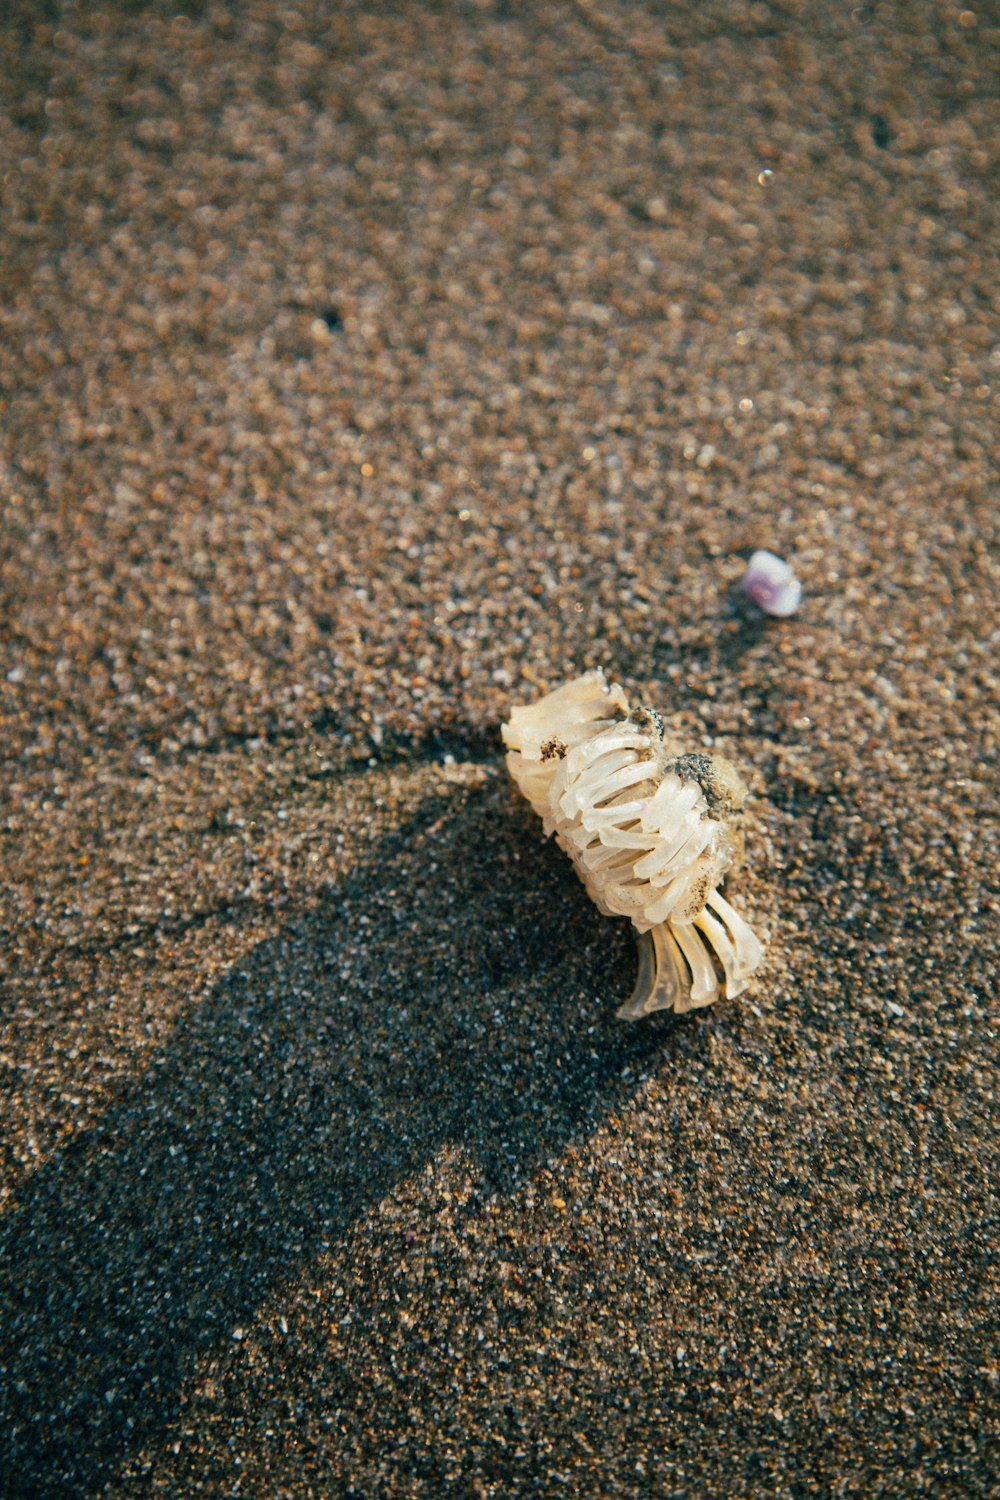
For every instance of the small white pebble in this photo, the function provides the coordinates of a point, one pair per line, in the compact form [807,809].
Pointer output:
[772,584]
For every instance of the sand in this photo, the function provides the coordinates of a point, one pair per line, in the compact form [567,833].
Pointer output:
[361,370]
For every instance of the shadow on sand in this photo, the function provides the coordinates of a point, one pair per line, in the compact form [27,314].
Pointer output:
[287,1102]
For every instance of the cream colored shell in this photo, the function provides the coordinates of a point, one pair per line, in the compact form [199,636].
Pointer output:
[651,833]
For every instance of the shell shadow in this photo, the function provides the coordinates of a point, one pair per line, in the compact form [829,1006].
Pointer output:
[288,1102]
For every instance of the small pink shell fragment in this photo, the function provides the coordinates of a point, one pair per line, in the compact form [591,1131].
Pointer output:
[772,585]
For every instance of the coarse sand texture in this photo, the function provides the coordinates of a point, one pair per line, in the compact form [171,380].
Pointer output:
[368,369]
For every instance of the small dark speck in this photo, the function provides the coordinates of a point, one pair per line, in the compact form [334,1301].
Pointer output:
[331,317]
[881,134]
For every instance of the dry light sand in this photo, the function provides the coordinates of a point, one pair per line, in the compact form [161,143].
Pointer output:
[364,367]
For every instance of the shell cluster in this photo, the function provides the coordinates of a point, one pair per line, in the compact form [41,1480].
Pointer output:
[652,833]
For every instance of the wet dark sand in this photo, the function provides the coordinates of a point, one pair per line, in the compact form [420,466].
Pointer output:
[358,373]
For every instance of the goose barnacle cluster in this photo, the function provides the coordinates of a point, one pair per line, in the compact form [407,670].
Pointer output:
[652,834]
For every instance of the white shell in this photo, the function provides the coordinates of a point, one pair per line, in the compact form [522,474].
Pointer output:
[651,833]
[772,585]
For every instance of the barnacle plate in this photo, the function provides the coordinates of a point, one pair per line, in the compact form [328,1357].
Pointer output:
[652,832]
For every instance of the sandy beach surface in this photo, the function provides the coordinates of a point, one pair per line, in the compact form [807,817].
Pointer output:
[364,368]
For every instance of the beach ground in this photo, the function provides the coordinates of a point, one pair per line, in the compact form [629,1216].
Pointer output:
[364,369]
